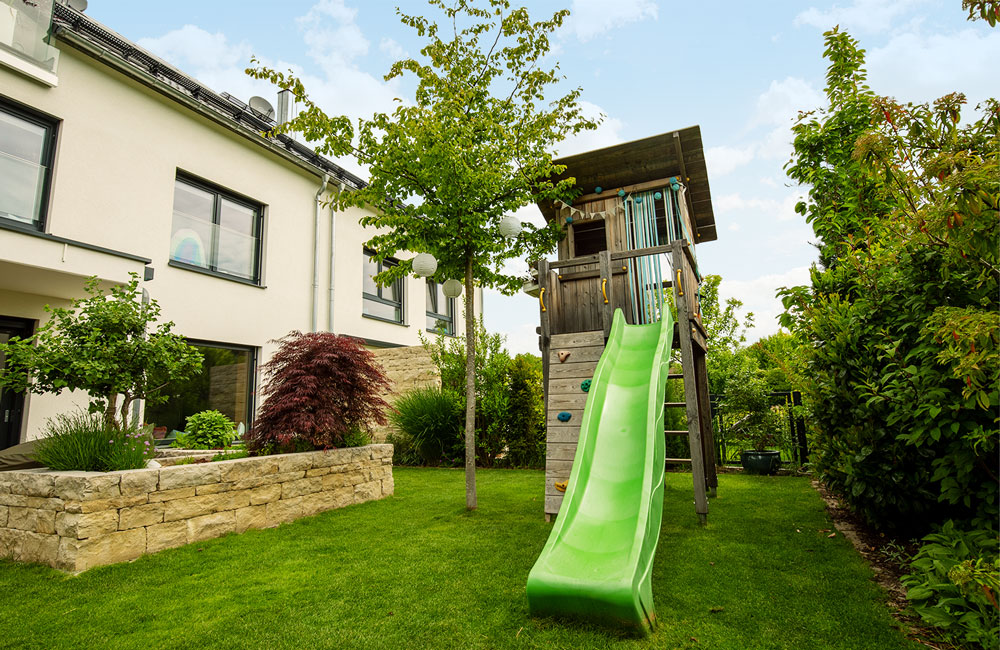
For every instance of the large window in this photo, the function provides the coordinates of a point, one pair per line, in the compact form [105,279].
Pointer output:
[26,146]
[215,231]
[383,303]
[440,310]
[225,384]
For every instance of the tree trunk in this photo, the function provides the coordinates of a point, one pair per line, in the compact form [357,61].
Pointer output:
[111,411]
[470,389]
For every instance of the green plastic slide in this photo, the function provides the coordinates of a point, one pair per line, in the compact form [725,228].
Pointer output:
[597,563]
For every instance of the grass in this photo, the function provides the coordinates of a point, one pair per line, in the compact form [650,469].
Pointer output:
[418,571]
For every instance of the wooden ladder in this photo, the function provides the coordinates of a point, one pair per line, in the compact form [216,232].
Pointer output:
[691,335]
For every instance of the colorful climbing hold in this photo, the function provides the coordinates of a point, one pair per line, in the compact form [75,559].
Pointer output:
[564,416]
[563,355]
[561,485]
[585,385]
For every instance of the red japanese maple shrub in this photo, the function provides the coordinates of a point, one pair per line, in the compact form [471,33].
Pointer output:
[317,388]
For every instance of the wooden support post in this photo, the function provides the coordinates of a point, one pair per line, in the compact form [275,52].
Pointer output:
[690,385]
[607,286]
[546,334]
[705,415]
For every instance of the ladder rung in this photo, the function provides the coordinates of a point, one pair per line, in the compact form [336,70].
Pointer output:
[671,432]
[678,460]
[674,376]
[675,405]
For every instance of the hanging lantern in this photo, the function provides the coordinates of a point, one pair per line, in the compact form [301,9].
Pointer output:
[598,189]
[452,288]
[510,227]
[657,196]
[424,265]
[621,192]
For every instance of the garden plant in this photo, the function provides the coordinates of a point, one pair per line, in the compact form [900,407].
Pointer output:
[82,441]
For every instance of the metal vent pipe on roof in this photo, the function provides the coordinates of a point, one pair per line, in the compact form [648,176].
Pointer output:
[284,106]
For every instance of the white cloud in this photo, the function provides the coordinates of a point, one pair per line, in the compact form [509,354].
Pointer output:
[732,206]
[758,296]
[782,101]
[608,133]
[334,39]
[591,18]
[870,16]
[723,160]
[391,48]
[917,67]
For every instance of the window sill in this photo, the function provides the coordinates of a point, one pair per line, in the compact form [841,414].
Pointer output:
[384,320]
[29,68]
[214,274]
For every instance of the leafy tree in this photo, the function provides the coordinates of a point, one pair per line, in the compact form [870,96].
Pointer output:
[318,389]
[900,320]
[726,332]
[474,146]
[103,345]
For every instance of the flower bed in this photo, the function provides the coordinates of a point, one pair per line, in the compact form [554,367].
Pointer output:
[78,520]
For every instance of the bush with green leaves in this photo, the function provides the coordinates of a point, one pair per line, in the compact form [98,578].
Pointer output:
[432,419]
[526,413]
[955,584]
[82,441]
[206,430]
[902,313]
[356,438]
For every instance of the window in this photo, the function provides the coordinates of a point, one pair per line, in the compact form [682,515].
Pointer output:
[589,237]
[440,310]
[26,146]
[225,384]
[383,303]
[215,231]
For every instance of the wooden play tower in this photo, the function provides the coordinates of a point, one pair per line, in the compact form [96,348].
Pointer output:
[631,240]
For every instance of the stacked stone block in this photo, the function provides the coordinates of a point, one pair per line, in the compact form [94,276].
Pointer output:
[78,520]
[407,368]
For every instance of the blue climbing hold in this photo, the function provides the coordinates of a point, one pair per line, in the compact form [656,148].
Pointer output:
[598,189]
[657,196]
[621,192]
[564,416]
[585,385]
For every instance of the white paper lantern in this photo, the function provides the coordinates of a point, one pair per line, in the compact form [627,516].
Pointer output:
[452,288]
[424,265]
[510,227]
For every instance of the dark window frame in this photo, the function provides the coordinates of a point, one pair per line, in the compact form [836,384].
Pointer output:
[253,358]
[451,328]
[379,298]
[587,225]
[220,193]
[51,125]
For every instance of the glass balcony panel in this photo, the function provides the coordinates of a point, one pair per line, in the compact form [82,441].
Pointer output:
[236,253]
[22,184]
[24,30]
[192,241]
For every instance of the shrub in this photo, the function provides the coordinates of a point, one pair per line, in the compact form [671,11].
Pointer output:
[955,583]
[403,450]
[207,430]
[526,413]
[433,419]
[84,442]
[318,388]
[231,455]
[356,438]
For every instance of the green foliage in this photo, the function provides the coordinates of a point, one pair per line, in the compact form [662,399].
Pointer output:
[899,322]
[751,421]
[206,430]
[954,585]
[526,413]
[432,420]
[230,455]
[83,442]
[356,437]
[103,345]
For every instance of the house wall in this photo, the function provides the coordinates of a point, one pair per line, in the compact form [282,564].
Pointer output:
[119,148]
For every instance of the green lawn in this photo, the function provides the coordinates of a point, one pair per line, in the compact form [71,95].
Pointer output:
[417,571]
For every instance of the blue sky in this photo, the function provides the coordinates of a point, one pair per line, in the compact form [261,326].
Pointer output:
[741,70]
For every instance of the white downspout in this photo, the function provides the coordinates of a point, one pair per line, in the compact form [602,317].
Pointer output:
[319,208]
[333,258]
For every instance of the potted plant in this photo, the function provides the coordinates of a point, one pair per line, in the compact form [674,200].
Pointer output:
[759,435]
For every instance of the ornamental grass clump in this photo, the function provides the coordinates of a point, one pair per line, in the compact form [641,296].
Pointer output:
[432,419]
[319,389]
[83,441]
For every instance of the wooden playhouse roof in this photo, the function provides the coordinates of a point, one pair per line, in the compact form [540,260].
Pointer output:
[675,153]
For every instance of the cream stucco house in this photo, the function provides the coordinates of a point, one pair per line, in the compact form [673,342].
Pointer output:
[113,162]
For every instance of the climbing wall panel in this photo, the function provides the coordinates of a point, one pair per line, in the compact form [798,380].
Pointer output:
[564,395]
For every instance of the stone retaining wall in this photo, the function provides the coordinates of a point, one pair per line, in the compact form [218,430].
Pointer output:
[407,368]
[78,520]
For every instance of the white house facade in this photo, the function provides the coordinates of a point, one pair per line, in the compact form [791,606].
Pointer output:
[113,162]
